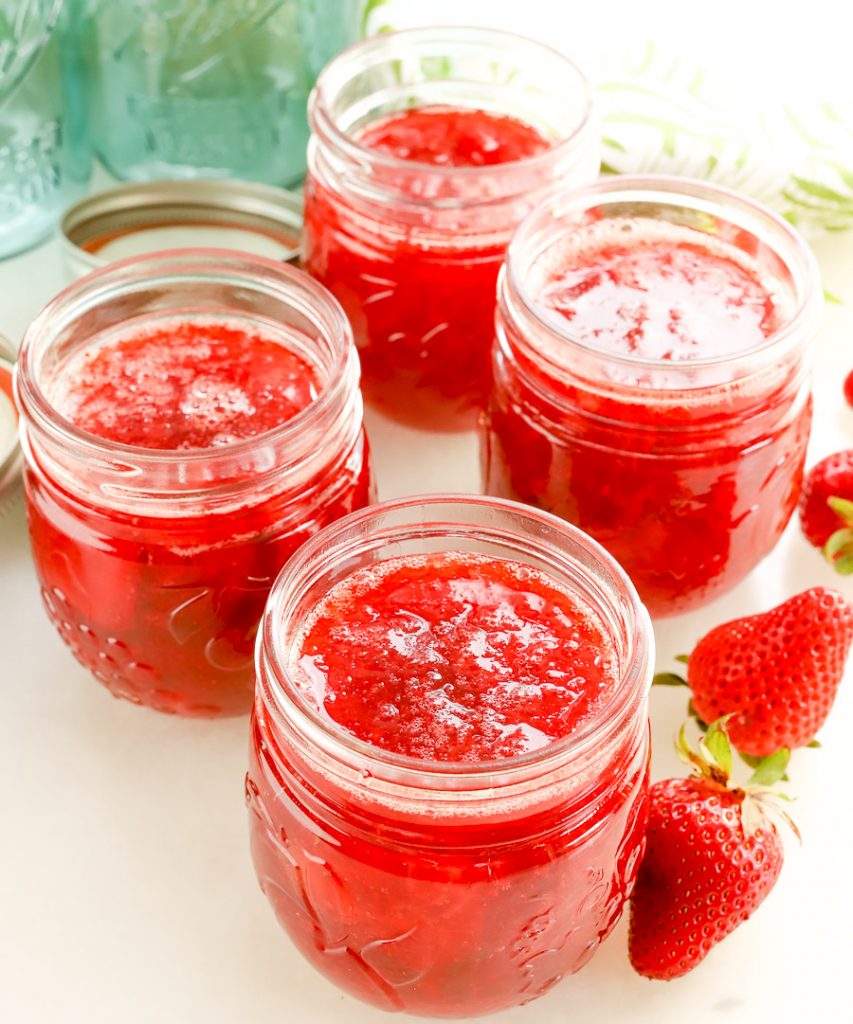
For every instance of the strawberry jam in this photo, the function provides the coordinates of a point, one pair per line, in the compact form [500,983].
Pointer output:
[651,381]
[176,462]
[657,292]
[448,765]
[452,137]
[408,214]
[188,384]
[456,658]
[425,361]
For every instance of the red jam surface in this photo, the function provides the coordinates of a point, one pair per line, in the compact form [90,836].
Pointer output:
[186,385]
[462,908]
[656,292]
[457,658]
[163,609]
[453,137]
[421,293]
[687,496]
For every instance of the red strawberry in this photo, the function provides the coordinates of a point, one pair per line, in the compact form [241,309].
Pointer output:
[711,857]
[775,674]
[848,388]
[826,509]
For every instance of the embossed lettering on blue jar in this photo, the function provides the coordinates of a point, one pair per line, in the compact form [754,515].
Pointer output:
[209,87]
[44,154]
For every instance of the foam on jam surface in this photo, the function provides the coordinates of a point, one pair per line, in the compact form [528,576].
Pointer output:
[453,137]
[185,384]
[456,657]
[656,290]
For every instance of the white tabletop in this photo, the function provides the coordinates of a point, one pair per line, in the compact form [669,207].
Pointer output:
[126,889]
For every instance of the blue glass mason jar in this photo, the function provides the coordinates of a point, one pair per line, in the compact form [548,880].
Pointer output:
[44,153]
[209,87]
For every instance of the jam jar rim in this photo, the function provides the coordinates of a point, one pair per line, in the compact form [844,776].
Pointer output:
[34,403]
[672,190]
[282,699]
[326,128]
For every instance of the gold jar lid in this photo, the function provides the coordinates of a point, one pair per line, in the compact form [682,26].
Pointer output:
[150,216]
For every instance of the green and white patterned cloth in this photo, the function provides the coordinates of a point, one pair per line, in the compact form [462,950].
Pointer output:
[661,114]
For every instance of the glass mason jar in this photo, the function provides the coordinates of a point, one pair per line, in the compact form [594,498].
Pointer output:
[209,87]
[686,471]
[413,250]
[155,565]
[439,887]
[44,154]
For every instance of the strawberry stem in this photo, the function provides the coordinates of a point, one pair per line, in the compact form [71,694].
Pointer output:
[715,744]
[713,760]
[839,547]
[713,757]
[770,769]
[839,550]
[668,679]
[843,508]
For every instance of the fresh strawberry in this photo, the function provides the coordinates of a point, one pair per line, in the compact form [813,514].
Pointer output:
[848,388]
[826,509]
[711,857]
[775,674]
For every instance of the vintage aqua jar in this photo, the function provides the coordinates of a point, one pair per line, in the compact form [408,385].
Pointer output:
[44,153]
[181,88]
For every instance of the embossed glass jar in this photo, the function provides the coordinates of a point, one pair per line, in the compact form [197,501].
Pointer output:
[688,470]
[209,87]
[155,565]
[44,154]
[412,250]
[444,888]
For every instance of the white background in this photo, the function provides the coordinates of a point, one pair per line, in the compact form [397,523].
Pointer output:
[126,891]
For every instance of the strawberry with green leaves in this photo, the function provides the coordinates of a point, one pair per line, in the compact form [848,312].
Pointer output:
[775,674]
[826,509]
[712,855]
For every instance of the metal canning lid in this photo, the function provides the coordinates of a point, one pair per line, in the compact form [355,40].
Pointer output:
[151,216]
[10,448]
